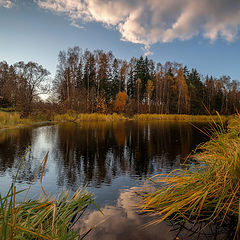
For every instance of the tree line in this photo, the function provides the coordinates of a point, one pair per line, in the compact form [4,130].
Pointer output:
[97,81]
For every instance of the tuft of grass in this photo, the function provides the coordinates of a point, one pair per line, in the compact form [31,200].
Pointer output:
[206,191]
[45,218]
[9,120]
[178,117]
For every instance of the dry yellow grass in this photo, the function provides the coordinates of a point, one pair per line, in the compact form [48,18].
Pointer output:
[178,117]
[9,120]
[88,117]
[72,116]
[206,191]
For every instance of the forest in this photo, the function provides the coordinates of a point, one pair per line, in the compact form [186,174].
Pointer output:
[98,82]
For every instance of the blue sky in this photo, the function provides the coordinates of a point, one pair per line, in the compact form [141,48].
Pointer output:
[37,30]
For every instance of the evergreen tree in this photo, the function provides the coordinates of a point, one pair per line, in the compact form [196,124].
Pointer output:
[196,91]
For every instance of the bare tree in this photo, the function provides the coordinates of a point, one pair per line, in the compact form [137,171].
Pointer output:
[31,82]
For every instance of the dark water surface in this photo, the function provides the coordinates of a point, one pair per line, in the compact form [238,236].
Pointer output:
[112,159]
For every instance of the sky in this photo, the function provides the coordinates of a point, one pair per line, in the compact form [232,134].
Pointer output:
[200,34]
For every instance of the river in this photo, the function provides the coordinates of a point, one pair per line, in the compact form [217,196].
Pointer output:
[112,159]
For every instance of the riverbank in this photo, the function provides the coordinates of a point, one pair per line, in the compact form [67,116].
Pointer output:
[74,117]
[178,117]
[13,119]
[207,189]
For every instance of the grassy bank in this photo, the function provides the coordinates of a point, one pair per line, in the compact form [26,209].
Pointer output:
[11,120]
[177,117]
[208,190]
[88,117]
[146,117]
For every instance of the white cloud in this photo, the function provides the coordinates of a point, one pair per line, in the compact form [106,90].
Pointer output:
[146,50]
[74,24]
[150,21]
[6,3]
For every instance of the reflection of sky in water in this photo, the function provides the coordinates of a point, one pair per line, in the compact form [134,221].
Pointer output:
[123,220]
[107,157]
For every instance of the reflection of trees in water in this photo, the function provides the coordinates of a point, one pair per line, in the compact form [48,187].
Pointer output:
[97,152]
[13,147]
[205,230]
[83,153]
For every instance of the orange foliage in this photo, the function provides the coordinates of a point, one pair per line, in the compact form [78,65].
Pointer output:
[119,105]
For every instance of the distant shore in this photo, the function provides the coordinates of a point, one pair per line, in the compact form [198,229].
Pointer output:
[13,119]
[137,117]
